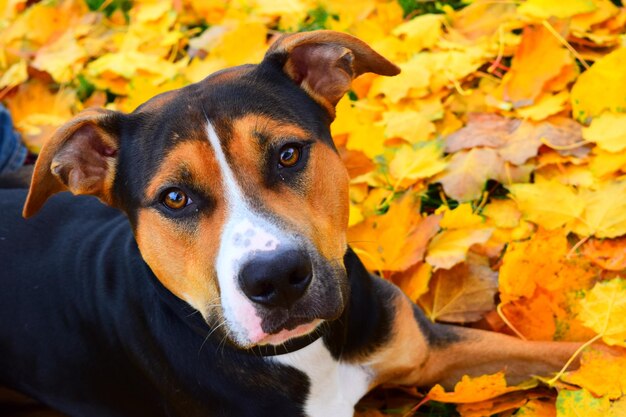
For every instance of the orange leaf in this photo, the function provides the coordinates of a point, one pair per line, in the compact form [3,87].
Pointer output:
[395,240]
[539,58]
[470,390]
[607,253]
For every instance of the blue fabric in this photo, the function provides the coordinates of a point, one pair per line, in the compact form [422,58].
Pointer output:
[12,152]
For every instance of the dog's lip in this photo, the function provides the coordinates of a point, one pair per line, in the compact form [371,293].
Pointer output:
[286,334]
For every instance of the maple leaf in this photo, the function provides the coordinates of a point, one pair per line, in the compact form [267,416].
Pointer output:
[605,211]
[468,171]
[610,254]
[15,75]
[539,58]
[608,131]
[411,163]
[601,374]
[604,309]
[547,8]
[395,240]
[462,294]
[601,87]
[549,204]
[516,140]
[582,403]
[482,388]
[37,112]
[410,125]
[462,229]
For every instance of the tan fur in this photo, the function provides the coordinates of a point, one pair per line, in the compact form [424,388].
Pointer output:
[187,270]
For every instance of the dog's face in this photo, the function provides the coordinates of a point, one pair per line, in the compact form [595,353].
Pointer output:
[236,194]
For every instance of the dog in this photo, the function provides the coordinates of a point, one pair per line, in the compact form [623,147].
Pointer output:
[217,279]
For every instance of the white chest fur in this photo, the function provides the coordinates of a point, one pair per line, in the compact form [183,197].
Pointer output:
[335,386]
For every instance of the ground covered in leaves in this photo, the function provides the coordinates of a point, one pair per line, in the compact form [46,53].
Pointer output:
[488,178]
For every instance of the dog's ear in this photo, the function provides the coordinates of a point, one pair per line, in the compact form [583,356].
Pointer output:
[325,62]
[80,157]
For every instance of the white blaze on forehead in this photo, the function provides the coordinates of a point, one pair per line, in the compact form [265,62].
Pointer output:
[245,232]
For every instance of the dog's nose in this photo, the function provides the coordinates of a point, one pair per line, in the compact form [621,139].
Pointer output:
[276,279]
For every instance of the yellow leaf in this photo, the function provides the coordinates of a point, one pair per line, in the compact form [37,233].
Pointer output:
[15,75]
[604,163]
[503,213]
[549,204]
[604,309]
[605,211]
[420,32]
[409,125]
[585,22]
[581,403]
[601,87]
[450,247]
[417,162]
[355,215]
[481,388]
[459,218]
[544,9]
[37,112]
[414,78]
[199,69]
[608,131]
[600,373]
[367,138]
[62,59]
[547,105]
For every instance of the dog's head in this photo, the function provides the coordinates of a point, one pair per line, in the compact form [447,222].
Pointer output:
[235,191]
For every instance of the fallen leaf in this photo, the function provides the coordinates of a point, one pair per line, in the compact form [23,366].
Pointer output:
[539,58]
[544,9]
[537,408]
[461,217]
[605,211]
[608,131]
[515,140]
[15,75]
[462,294]
[549,204]
[610,254]
[600,373]
[411,163]
[581,403]
[410,125]
[395,240]
[603,310]
[601,88]
[482,388]
[468,171]
[450,247]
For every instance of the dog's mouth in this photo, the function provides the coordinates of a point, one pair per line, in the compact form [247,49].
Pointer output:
[287,332]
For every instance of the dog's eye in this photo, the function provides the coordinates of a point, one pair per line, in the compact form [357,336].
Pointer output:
[289,155]
[175,199]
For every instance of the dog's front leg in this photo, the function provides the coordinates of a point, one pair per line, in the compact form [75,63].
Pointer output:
[423,353]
